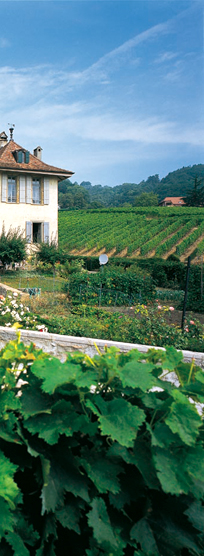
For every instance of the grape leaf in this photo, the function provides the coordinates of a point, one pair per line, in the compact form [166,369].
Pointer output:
[143,534]
[53,373]
[103,473]
[6,517]
[184,419]
[119,419]
[99,520]
[69,516]
[138,375]
[8,487]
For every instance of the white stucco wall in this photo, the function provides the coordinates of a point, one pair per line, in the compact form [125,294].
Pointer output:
[17,214]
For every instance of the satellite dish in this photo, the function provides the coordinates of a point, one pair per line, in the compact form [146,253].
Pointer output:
[103,259]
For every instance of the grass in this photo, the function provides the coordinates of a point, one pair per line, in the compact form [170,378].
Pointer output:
[31,280]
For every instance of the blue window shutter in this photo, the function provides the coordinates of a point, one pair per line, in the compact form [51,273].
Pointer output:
[46,191]
[46,232]
[29,232]
[20,157]
[4,188]
[27,157]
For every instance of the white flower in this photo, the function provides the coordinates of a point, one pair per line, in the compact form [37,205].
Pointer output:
[8,310]
[3,312]
[22,313]
[10,297]
[13,302]
[27,309]
[21,305]
[15,294]
[8,324]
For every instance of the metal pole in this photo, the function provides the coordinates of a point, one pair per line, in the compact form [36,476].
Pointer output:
[186,293]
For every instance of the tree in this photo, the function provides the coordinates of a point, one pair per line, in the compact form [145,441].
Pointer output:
[195,196]
[146,200]
[12,246]
[49,253]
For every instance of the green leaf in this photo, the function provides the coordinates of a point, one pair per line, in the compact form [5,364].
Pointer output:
[103,474]
[118,419]
[53,373]
[143,534]
[142,458]
[138,375]
[99,520]
[69,517]
[6,517]
[34,401]
[184,419]
[63,420]
[161,435]
[172,358]
[17,544]
[196,515]
[8,488]
[171,480]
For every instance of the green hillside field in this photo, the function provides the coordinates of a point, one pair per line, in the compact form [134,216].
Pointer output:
[136,232]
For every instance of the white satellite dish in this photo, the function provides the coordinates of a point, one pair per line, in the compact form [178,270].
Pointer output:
[103,259]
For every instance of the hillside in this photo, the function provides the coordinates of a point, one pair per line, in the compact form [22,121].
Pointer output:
[136,232]
[87,195]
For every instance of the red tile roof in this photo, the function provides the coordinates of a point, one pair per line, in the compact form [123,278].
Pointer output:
[35,165]
[174,200]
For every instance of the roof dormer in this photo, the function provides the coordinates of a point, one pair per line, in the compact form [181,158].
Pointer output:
[21,156]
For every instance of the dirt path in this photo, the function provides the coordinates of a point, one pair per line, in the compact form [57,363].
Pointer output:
[191,249]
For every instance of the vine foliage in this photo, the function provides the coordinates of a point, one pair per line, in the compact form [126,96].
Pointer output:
[100,456]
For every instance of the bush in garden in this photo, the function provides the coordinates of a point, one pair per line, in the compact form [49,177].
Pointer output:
[117,286]
[100,456]
[12,246]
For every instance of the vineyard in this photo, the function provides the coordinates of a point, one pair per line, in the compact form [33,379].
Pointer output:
[149,232]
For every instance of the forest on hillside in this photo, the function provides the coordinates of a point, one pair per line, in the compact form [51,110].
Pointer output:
[146,193]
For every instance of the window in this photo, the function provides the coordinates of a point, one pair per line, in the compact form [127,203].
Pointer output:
[22,156]
[11,190]
[36,192]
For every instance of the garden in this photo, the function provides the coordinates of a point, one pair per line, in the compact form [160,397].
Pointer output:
[91,449]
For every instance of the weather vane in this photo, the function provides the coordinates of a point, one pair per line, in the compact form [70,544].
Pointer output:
[11,131]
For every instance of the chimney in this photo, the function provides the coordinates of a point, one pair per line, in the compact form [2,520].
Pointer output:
[3,139]
[37,152]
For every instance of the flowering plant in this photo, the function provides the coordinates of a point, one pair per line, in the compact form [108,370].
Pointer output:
[12,310]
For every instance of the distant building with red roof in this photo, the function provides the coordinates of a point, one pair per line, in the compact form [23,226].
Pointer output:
[172,202]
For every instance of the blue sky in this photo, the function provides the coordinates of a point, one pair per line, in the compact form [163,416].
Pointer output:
[112,90]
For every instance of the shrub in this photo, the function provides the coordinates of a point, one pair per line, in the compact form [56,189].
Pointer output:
[12,247]
[100,455]
[115,284]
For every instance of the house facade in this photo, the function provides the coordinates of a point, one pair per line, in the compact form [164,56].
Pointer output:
[28,191]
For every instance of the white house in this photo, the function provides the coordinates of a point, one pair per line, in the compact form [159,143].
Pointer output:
[28,191]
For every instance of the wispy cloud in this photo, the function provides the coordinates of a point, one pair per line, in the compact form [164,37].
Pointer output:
[165,57]
[4,43]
